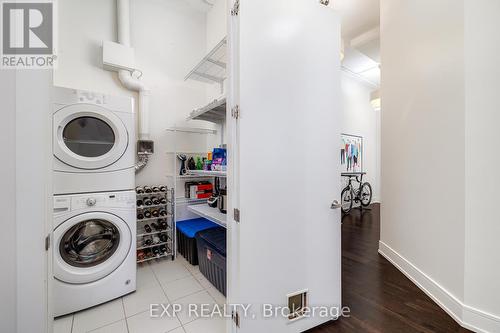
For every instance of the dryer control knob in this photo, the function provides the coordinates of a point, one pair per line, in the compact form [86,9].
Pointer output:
[91,202]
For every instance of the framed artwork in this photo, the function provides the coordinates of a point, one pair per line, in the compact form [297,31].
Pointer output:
[351,153]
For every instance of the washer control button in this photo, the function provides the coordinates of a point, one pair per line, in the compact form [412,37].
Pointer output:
[91,202]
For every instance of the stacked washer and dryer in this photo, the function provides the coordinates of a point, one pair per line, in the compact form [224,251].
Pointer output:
[94,199]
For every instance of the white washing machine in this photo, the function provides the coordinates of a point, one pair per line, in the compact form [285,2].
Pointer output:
[94,249]
[94,142]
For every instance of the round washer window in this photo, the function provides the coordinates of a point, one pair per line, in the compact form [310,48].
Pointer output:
[88,136]
[89,243]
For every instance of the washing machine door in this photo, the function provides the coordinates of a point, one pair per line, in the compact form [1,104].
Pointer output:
[88,137]
[90,246]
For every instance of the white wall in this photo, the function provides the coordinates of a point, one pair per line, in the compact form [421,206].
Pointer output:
[423,123]
[216,23]
[8,287]
[360,119]
[440,112]
[216,31]
[482,42]
[169,38]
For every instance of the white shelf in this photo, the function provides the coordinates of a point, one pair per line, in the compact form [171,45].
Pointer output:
[192,130]
[212,68]
[186,152]
[214,112]
[184,201]
[199,173]
[193,176]
[212,214]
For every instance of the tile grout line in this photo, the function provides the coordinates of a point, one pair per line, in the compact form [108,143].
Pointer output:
[164,293]
[158,280]
[192,275]
[161,286]
[125,314]
[108,324]
[204,289]
[172,280]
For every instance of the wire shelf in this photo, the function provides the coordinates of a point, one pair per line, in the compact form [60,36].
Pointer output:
[208,173]
[212,68]
[179,177]
[214,112]
[166,254]
[152,206]
[155,218]
[169,195]
[155,233]
[162,194]
[154,245]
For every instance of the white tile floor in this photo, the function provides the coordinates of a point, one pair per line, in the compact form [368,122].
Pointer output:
[165,282]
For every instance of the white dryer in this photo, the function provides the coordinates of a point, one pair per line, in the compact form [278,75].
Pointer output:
[94,258]
[93,142]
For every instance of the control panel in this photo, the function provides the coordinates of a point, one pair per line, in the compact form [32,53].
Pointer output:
[94,201]
[90,97]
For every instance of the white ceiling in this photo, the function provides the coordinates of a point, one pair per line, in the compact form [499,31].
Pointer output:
[360,22]
[357,16]
[202,5]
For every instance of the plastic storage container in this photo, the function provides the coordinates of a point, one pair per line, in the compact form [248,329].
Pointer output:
[212,256]
[186,241]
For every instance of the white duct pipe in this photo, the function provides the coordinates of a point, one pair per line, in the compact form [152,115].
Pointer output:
[126,78]
[123,18]
[131,83]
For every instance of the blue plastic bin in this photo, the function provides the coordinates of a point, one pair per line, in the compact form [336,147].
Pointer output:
[186,233]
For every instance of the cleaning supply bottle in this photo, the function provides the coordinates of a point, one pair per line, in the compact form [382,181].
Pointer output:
[199,163]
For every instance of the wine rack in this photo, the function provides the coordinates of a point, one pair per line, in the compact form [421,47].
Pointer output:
[155,223]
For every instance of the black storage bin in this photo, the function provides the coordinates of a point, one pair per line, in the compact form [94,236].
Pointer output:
[186,241]
[212,256]
[186,247]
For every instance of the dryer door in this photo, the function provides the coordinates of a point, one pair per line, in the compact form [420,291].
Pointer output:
[87,136]
[90,246]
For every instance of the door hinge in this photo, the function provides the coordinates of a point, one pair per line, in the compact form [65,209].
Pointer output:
[236,318]
[236,214]
[235,112]
[47,242]
[236,8]
[324,2]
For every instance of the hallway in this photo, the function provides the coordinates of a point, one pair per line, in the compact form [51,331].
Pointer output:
[381,298]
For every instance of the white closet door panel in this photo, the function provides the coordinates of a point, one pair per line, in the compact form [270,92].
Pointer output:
[288,161]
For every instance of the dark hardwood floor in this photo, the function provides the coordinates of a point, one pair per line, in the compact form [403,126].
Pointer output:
[380,297]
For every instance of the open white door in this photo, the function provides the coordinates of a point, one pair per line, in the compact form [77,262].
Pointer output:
[285,168]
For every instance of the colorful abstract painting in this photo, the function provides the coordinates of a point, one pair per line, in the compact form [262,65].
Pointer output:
[351,153]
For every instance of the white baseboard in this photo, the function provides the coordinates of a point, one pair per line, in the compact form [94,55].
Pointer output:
[468,317]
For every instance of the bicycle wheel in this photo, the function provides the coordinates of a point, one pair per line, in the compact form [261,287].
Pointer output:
[366,194]
[347,199]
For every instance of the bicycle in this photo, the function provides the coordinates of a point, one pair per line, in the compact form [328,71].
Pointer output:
[350,195]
